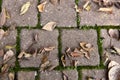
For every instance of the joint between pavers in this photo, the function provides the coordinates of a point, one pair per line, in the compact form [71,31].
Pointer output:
[0,5]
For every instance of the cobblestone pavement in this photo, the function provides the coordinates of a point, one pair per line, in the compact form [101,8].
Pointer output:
[72,29]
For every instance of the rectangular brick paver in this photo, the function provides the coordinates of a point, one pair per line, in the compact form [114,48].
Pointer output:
[58,75]
[94,73]
[45,39]
[62,13]
[93,17]
[14,7]
[72,38]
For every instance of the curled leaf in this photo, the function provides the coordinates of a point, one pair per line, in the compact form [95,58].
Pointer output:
[44,65]
[24,54]
[75,63]
[77,9]
[4,68]
[87,6]
[75,54]
[114,33]
[49,26]
[108,10]
[8,55]
[11,76]
[86,46]
[2,33]
[2,17]
[24,8]
[49,48]
[63,60]
[41,6]
[114,73]
[112,63]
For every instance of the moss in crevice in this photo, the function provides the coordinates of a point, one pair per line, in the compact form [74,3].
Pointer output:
[0,5]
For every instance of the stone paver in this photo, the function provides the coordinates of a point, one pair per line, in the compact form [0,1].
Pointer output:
[72,38]
[107,41]
[46,39]
[92,17]
[4,76]
[9,39]
[58,75]
[94,73]
[23,75]
[62,13]
[14,6]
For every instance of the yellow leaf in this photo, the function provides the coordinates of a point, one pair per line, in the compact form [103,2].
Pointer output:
[24,8]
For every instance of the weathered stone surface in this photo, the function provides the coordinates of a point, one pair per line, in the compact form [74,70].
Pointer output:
[94,73]
[14,7]
[63,13]
[8,40]
[72,38]
[58,75]
[4,76]
[45,39]
[93,17]
[107,43]
[22,75]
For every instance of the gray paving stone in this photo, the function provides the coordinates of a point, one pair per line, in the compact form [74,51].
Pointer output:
[57,75]
[72,38]
[106,44]
[14,6]
[93,17]
[63,13]
[98,74]
[46,39]
[9,39]
[4,76]
[22,75]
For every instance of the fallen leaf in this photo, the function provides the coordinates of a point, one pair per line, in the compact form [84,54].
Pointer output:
[87,6]
[7,14]
[35,37]
[75,54]
[49,26]
[86,53]
[86,46]
[63,60]
[24,8]
[91,78]
[114,33]
[75,63]
[115,50]
[108,10]
[54,2]
[65,77]
[2,33]
[1,52]
[44,65]
[11,76]
[8,55]
[2,17]
[10,47]
[49,48]
[24,54]
[112,63]
[77,9]
[114,73]
[41,6]
[4,68]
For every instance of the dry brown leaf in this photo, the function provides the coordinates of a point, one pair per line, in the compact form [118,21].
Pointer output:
[10,47]
[63,60]
[54,2]
[25,8]
[4,68]
[1,52]
[2,33]
[23,53]
[65,77]
[75,54]
[8,55]
[7,14]
[11,76]
[35,37]
[86,46]
[87,6]
[108,10]
[44,65]
[114,33]
[41,6]
[77,9]
[50,26]
[49,48]
[75,63]
[2,17]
